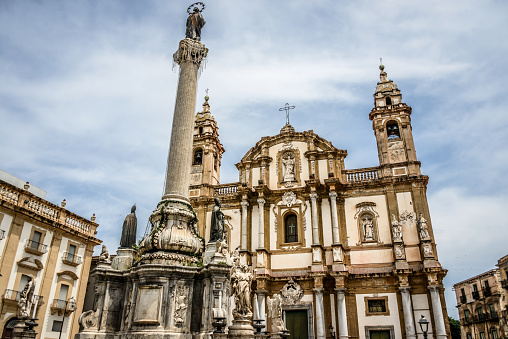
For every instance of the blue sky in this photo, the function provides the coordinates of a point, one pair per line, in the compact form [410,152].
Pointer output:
[87,93]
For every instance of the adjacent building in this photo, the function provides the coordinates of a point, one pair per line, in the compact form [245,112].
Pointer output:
[481,301]
[350,250]
[49,244]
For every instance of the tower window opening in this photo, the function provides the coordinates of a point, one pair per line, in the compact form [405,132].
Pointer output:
[291,228]
[392,130]
[198,157]
[201,130]
[215,161]
[388,101]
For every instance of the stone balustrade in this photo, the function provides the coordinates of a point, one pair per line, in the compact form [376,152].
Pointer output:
[31,203]
[226,189]
[361,174]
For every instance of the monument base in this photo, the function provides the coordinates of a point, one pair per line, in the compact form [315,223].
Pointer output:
[241,328]
[123,260]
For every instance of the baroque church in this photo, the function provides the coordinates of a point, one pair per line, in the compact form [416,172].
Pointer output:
[350,251]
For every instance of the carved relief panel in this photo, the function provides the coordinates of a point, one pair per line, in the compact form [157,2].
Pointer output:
[396,151]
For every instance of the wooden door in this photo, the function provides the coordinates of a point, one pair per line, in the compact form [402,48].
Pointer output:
[297,324]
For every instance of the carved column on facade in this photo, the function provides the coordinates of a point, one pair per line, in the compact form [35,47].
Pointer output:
[335,222]
[261,207]
[315,226]
[437,310]
[407,307]
[320,309]
[245,204]
[340,291]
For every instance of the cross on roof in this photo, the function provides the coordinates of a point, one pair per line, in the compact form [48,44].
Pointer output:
[286,108]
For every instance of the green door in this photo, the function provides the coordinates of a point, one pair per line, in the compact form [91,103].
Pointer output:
[380,334]
[296,323]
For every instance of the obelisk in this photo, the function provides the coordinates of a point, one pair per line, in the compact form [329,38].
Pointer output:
[173,238]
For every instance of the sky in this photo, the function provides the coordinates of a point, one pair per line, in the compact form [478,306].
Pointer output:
[87,92]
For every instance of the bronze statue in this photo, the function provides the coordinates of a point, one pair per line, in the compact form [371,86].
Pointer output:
[129,229]
[195,22]
[217,229]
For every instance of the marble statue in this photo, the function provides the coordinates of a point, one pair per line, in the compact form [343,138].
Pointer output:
[217,228]
[275,313]
[195,23]
[423,228]
[288,160]
[129,229]
[427,250]
[25,299]
[396,229]
[104,256]
[241,280]
[399,251]
[368,228]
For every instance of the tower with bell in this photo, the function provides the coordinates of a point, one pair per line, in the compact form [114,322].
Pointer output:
[391,121]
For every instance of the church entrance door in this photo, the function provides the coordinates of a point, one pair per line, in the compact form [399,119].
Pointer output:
[380,334]
[297,324]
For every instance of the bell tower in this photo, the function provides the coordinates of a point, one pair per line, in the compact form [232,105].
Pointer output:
[206,149]
[391,121]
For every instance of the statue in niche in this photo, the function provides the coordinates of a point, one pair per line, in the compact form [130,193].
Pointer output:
[427,250]
[195,22]
[368,227]
[241,281]
[423,229]
[275,312]
[104,256]
[129,229]
[396,229]
[288,162]
[217,228]
[25,298]
[399,251]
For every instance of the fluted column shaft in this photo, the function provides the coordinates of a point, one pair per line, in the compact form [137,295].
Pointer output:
[261,239]
[408,312]
[335,222]
[341,310]
[315,227]
[243,244]
[438,312]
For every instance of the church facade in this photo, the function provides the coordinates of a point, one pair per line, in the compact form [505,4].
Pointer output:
[350,251]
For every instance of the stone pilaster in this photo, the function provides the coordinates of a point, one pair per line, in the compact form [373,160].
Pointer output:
[335,222]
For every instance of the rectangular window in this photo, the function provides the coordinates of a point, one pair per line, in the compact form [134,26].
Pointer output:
[492,308]
[377,306]
[475,288]
[487,284]
[468,336]
[64,289]
[36,239]
[467,316]
[494,334]
[462,292]
[482,335]
[71,253]
[57,326]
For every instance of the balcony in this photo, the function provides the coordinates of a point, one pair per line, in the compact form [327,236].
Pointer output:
[12,296]
[476,295]
[35,247]
[71,259]
[492,316]
[2,234]
[487,292]
[60,306]
[463,299]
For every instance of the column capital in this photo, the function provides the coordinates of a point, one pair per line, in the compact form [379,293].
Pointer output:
[434,288]
[341,290]
[244,203]
[318,290]
[261,201]
[313,196]
[190,51]
[333,195]
[405,289]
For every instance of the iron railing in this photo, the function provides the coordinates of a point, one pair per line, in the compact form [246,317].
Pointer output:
[36,246]
[72,258]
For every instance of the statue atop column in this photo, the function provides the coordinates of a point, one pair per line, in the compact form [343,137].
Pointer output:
[217,228]
[129,229]
[195,22]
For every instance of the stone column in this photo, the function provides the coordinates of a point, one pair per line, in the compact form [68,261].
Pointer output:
[341,310]
[438,312]
[243,245]
[262,302]
[320,314]
[408,312]
[189,56]
[335,223]
[315,229]
[261,240]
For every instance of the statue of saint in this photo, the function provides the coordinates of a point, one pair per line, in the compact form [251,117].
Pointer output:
[25,299]
[217,229]
[368,228]
[288,160]
[396,229]
[241,280]
[195,22]
[104,256]
[129,229]
[423,228]
[275,312]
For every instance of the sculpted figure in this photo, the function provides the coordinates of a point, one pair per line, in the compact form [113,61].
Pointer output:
[427,250]
[368,227]
[25,299]
[104,255]
[288,160]
[275,313]
[396,229]
[423,228]
[129,229]
[235,257]
[195,23]
[217,229]
[241,280]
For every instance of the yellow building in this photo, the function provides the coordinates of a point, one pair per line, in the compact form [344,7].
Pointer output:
[50,244]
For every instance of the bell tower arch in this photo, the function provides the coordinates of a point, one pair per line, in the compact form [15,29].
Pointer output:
[391,121]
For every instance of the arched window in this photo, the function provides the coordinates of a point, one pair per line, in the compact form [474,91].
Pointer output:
[201,130]
[291,228]
[198,157]
[392,130]
[388,101]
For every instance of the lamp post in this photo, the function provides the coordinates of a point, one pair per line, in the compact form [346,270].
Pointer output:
[424,326]
[72,306]
[332,331]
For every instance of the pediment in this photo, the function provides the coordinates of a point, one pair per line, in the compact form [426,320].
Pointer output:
[31,263]
[69,275]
